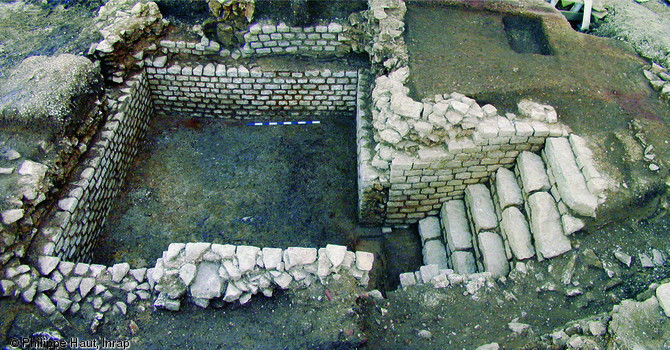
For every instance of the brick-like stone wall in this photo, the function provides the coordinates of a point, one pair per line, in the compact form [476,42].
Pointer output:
[267,39]
[237,92]
[420,184]
[72,228]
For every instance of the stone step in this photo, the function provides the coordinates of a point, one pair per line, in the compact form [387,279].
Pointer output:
[457,236]
[489,248]
[568,178]
[527,212]
[434,251]
[545,224]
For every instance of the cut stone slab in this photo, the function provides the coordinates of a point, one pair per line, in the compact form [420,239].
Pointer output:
[456,227]
[407,279]
[299,256]
[336,254]
[531,170]
[546,227]
[480,207]
[246,257]
[364,260]
[493,254]
[434,253]
[194,251]
[663,296]
[515,228]
[429,228]
[463,262]
[207,284]
[272,257]
[507,189]
[570,182]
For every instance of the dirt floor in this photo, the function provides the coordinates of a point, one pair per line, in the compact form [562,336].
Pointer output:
[595,84]
[204,180]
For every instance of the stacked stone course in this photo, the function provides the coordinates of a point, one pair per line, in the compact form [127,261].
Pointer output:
[72,228]
[202,271]
[237,92]
[278,39]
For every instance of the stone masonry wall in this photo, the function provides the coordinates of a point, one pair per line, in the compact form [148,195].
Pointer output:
[236,92]
[202,272]
[265,39]
[72,228]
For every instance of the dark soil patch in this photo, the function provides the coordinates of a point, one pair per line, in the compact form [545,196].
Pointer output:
[213,181]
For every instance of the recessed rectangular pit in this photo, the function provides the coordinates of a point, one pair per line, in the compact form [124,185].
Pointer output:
[204,174]
[526,35]
[207,180]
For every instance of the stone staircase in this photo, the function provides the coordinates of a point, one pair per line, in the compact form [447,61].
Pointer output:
[525,212]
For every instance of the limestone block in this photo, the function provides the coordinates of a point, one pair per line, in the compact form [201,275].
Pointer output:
[11,216]
[571,224]
[455,223]
[531,170]
[434,253]
[459,107]
[407,279]
[194,251]
[428,272]
[463,262]
[119,271]
[229,269]
[507,189]
[282,280]
[246,257]
[429,228]
[336,254]
[493,253]
[187,273]
[515,228]
[406,106]
[87,283]
[480,207]
[46,264]
[364,260]
[299,256]
[207,284]
[546,227]
[569,180]
[173,251]
[390,136]
[272,257]
[225,251]
[663,296]
[45,304]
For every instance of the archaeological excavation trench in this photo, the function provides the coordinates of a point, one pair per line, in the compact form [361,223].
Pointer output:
[313,154]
